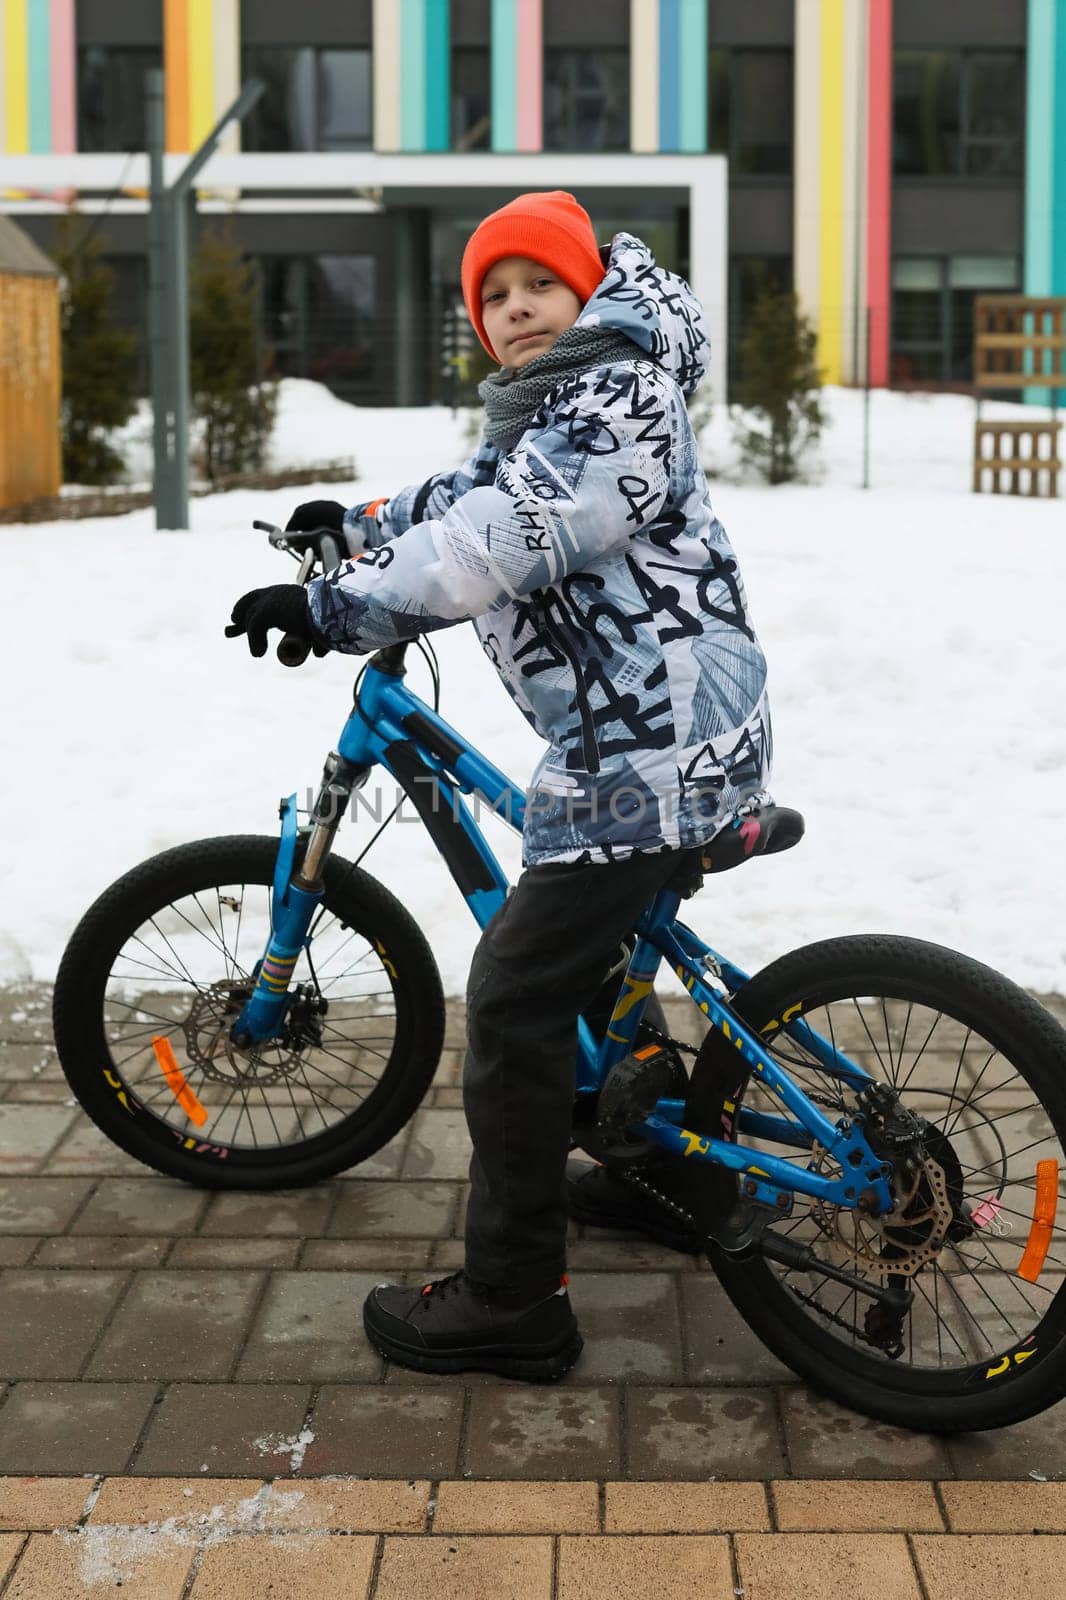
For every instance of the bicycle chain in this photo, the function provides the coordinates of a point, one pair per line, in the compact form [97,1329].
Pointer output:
[686,1216]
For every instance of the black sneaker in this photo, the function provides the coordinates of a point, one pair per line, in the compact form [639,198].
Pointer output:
[600,1198]
[456,1325]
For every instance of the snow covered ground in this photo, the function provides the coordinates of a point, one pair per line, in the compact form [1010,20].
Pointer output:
[916,648]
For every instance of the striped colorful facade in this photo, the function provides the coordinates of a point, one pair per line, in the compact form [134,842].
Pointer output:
[842,177]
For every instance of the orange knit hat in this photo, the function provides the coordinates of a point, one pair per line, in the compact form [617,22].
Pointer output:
[550,228]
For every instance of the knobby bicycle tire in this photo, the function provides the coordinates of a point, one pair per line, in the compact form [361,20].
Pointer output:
[983,1392]
[361,907]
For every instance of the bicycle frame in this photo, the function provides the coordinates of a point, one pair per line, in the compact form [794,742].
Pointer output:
[435,766]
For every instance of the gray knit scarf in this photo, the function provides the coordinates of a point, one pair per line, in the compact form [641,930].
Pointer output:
[511,397]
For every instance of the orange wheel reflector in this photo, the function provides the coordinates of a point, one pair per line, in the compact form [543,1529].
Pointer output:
[1047,1201]
[176,1081]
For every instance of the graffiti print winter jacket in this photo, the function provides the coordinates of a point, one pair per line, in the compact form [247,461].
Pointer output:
[602,586]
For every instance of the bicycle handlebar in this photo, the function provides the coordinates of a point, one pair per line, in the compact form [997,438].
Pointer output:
[294,650]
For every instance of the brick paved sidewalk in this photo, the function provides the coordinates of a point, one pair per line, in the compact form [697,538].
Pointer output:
[352,1539]
[154,1331]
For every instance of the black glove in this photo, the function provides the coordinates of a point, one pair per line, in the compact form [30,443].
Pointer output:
[284,606]
[314,514]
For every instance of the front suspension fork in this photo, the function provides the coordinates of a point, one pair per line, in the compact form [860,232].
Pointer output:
[297,894]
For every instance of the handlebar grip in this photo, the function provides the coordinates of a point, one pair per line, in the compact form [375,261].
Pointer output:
[293,651]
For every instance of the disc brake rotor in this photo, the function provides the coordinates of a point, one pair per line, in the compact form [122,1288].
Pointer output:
[902,1241]
[209,1047]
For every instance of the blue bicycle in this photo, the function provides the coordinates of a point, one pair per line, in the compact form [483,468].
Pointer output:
[869,1138]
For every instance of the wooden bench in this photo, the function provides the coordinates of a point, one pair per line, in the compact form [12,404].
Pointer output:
[1025,454]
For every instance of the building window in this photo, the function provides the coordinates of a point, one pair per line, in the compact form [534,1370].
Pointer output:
[932,313]
[958,113]
[586,99]
[471,90]
[318,316]
[316,99]
[749,110]
[748,276]
[111,96]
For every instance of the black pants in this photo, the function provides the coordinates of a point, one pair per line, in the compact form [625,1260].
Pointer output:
[539,964]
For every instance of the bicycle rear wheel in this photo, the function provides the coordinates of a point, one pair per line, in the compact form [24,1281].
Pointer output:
[155,974]
[978,1236]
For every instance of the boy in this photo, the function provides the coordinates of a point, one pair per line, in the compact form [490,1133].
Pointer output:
[580,538]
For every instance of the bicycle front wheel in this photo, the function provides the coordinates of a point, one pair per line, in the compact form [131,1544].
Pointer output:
[157,971]
[977,1237]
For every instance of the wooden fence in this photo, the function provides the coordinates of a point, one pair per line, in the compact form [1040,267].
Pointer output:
[30,463]
[1019,343]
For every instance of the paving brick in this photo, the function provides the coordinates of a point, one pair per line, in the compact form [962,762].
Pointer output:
[178,1325]
[630,1326]
[449,1073]
[445,1099]
[381,1255]
[77,1566]
[348,1505]
[827,1441]
[992,1566]
[87,1150]
[719,1347]
[39,1205]
[685,1567]
[31,1062]
[142,1206]
[26,1011]
[42,1503]
[98,1250]
[286,1567]
[221,1428]
[1005,1507]
[16,1249]
[563,1432]
[293,1213]
[72,1427]
[1036,1445]
[51,1319]
[310,1327]
[10,1545]
[28,1134]
[522,1507]
[384,1163]
[386,1210]
[793,1566]
[823,1505]
[234,1253]
[195,1505]
[386,1433]
[697,1433]
[439,1147]
[39,1092]
[457,1567]
[685,1508]
[593,1253]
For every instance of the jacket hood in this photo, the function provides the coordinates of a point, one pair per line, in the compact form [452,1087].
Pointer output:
[653,307]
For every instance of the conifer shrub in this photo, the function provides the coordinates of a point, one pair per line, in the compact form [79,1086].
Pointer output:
[234,401]
[99,360]
[779,387]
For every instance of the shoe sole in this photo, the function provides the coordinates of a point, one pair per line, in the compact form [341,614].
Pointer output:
[687,1244]
[539,1368]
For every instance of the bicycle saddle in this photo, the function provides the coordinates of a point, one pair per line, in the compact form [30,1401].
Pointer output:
[761,834]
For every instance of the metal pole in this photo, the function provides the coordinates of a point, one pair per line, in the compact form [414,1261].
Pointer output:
[169,301]
[160,256]
[177,304]
[866,411]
